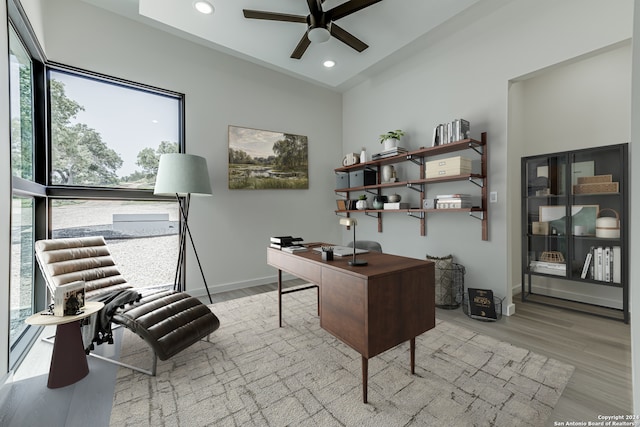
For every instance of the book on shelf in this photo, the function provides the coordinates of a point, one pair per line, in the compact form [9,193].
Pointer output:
[396,205]
[68,300]
[482,304]
[453,201]
[453,131]
[285,239]
[554,268]
[605,264]
[585,267]
[389,153]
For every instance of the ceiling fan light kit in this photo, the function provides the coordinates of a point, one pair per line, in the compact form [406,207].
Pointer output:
[318,35]
[320,24]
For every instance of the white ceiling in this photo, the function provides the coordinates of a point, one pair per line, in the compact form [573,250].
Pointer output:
[386,27]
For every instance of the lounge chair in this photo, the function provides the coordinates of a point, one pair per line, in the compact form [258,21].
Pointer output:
[169,321]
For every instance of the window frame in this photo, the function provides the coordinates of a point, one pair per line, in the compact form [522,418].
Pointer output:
[40,189]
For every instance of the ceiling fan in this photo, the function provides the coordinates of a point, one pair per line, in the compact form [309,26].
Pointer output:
[320,24]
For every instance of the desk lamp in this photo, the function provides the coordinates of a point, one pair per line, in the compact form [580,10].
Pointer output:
[351,222]
[183,175]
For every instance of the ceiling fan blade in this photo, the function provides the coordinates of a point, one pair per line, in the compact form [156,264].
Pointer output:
[347,38]
[303,44]
[272,16]
[348,8]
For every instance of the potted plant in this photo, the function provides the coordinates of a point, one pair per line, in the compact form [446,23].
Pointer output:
[391,138]
[361,204]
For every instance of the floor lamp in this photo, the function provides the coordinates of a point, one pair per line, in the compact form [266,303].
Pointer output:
[183,175]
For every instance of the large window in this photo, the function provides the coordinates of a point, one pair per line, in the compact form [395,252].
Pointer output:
[85,150]
[21,286]
[141,235]
[21,95]
[106,134]
[107,137]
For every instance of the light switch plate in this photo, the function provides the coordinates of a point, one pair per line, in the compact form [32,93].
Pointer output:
[493,197]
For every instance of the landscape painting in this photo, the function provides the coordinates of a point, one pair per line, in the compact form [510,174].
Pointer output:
[262,159]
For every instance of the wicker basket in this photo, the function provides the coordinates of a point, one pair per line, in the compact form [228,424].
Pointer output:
[449,286]
[552,256]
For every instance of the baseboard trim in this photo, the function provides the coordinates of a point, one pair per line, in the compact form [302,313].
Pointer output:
[234,286]
[571,296]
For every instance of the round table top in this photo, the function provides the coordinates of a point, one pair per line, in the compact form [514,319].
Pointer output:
[90,307]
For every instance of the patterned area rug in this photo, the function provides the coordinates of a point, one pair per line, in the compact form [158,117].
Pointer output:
[253,373]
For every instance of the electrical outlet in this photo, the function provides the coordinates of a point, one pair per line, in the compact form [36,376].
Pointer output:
[493,197]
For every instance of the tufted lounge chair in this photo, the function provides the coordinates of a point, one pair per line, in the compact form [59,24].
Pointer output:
[168,321]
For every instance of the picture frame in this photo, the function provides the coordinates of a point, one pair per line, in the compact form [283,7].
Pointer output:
[583,216]
[263,160]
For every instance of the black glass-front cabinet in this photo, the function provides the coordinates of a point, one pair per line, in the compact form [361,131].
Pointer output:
[575,218]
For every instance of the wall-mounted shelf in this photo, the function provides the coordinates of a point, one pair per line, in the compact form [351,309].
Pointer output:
[420,184]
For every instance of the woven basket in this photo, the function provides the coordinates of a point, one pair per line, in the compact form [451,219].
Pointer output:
[552,256]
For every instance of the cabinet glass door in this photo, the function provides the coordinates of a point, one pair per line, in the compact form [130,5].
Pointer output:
[596,197]
[547,218]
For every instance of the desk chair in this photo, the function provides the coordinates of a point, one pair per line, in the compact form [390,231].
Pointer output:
[367,244]
[168,321]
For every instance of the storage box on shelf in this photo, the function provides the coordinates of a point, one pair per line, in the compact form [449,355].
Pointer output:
[360,178]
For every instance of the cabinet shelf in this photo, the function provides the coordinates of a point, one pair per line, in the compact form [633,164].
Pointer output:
[603,260]
[421,183]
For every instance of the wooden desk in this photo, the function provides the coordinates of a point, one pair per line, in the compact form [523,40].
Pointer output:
[371,308]
[69,361]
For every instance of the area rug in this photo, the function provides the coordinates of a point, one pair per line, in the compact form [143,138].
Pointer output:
[253,373]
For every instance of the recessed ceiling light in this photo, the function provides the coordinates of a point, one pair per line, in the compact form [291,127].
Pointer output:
[329,63]
[203,7]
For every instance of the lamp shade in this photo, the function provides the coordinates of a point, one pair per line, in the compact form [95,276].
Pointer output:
[182,174]
[348,221]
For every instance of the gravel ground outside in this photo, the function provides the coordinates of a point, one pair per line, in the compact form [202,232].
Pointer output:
[142,260]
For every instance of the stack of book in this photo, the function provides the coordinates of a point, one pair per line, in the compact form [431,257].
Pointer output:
[555,268]
[389,153]
[453,201]
[282,242]
[603,264]
[447,133]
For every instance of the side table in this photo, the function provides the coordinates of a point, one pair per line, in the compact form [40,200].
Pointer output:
[69,361]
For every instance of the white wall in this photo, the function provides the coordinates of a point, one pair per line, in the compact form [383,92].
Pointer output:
[634,158]
[467,74]
[579,104]
[232,228]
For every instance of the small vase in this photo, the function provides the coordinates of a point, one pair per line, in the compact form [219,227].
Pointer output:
[379,201]
[390,143]
[387,173]
[363,155]
[361,204]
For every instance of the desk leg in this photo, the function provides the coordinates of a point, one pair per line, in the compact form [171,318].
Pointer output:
[69,361]
[365,378]
[280,298]
[412,345]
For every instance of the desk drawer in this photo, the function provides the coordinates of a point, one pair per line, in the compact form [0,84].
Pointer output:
[295,265]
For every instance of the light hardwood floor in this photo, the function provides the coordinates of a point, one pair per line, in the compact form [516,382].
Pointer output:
[599,348]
